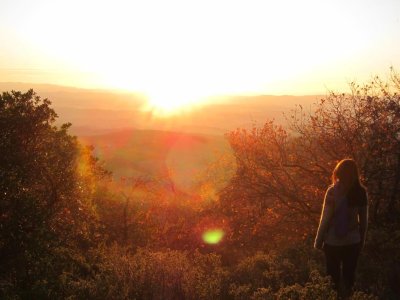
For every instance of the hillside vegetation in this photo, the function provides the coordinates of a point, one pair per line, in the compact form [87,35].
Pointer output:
[70,229]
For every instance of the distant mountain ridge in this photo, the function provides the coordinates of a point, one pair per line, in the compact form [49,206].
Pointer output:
[133,142]
[102,111]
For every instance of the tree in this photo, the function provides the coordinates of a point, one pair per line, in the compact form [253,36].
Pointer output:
[282,173]
[122,207]
[365,125]
[46,181]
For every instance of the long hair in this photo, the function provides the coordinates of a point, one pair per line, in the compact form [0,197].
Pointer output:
[346,172]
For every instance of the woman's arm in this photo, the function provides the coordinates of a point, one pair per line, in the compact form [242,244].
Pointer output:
[326,215]
[363,220]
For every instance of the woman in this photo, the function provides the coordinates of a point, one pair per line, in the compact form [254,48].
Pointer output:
[343,225]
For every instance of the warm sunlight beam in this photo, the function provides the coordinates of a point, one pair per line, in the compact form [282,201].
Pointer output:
[179,51]
[169,100]
[166,105]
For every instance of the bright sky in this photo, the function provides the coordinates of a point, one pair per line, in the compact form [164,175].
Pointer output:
[187,49]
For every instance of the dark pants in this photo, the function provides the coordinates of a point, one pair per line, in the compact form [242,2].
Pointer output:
[345,257]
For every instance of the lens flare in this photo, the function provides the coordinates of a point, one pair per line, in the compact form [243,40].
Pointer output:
[213,236]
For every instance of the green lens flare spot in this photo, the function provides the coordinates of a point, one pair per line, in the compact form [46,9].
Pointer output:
[213,236]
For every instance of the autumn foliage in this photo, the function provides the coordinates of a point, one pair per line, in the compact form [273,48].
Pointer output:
[282,173]
[68,230]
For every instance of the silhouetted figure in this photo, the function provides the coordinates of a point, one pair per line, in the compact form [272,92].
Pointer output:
[343,225]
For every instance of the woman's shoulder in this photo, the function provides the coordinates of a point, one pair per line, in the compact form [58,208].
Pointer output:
[330,188]
[329,195]
[334,189]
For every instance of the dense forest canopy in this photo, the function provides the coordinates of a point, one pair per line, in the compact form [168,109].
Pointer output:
[68,230]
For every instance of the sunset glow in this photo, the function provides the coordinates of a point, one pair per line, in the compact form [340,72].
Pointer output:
[167,101]
[178,52]
[182,149]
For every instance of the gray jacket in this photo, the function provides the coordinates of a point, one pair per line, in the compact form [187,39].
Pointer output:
[357,221]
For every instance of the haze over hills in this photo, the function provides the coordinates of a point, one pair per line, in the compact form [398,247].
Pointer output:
[170,157]
[133,142]
[102,111]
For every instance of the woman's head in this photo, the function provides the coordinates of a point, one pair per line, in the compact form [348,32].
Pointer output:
[346,172]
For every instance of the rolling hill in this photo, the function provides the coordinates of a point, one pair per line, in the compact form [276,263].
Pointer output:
[160,155]
[102,111]
[133,142]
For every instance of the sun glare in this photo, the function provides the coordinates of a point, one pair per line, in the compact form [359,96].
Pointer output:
[170,103]
[166,104]
[165,98]
[180,51]
[213,236]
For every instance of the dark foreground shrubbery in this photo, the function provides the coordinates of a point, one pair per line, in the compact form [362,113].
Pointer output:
[117,273]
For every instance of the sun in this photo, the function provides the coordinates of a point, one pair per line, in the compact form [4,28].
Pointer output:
[171,100]
[166,105]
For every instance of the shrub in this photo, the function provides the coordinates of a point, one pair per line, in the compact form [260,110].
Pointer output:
[146,274]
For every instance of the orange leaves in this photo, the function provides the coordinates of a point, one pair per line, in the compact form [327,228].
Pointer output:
[287,173]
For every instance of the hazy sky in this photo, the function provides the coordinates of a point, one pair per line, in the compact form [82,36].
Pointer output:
[196,48]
